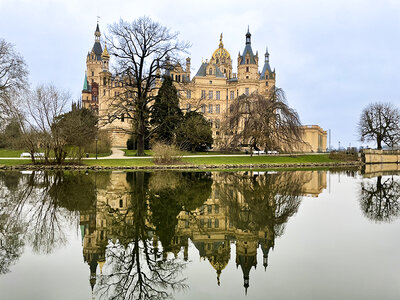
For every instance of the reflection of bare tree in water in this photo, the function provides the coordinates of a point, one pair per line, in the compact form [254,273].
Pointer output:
[381,201]
[134,268]
[259,202]
[11,242]
[36,208]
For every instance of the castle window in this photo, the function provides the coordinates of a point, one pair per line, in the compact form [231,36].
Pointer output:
[203,108]
[210,94]
[266,83]
[210,72]
[122,118]
[217,95]
[216,223]
[217,109]
[247,69]
[179,78]
[246,91]
[188,94]
[104,92]
[224,71]
[188,107]
[247,61]
[216,207]
[232,95]
[104,81]
[210,108]
[209,224]
[217,123]
[209,209]
[92,73]
[203,94]
[120,203]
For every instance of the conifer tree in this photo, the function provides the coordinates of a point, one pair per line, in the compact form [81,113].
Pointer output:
[166,114]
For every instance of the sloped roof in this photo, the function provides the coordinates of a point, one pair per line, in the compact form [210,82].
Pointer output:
[97,49]
[203,71]
[246,50]
[266,68]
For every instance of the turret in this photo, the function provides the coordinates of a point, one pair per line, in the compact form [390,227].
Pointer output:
[105,57]
[248,62]
[188,68]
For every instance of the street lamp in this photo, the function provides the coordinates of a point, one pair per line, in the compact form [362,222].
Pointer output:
[97,139]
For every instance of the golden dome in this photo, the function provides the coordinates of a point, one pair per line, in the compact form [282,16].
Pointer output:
[221,52]
[105,52]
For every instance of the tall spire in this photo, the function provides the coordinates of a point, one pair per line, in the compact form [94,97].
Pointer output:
[85,83]
[97,32]
[248,36]
[266,55]
[221,45]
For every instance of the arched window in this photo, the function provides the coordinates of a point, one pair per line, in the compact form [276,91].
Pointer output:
[210,72]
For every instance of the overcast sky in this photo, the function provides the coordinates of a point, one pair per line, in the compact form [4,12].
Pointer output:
[331,57]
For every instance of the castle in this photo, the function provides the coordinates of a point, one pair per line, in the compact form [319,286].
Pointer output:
[210,91]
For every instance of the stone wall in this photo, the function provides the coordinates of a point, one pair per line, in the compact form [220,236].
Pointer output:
[380,156]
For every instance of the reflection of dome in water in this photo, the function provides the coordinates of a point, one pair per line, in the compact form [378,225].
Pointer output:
[221,54]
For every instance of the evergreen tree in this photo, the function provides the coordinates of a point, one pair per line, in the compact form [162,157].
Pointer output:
[166,114]
[194,132]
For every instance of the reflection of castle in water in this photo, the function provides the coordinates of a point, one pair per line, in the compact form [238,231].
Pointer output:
[249,209]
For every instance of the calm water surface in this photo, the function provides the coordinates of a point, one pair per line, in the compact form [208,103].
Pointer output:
[218,235]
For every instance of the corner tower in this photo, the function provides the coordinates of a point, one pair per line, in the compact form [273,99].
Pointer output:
[248,62]
[94,66]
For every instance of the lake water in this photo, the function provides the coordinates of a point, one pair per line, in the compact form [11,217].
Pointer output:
[199,235]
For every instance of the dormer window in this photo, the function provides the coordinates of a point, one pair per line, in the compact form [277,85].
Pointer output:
[210,72]
[247,61]
[247,69]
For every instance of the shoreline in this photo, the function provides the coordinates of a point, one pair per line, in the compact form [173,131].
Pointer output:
[186,167]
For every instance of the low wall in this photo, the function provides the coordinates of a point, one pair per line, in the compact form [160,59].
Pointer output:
[370,156]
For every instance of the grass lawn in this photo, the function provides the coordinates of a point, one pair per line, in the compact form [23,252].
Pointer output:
[150,153]
[223,160]
[10,152]
[17,153]
[14,162]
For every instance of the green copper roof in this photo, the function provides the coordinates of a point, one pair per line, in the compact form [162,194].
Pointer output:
[85,85]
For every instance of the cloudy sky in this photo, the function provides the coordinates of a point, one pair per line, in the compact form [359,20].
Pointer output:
[331,57]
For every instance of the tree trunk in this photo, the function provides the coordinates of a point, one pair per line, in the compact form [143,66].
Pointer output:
[140,144]
[379,143]
[140,137]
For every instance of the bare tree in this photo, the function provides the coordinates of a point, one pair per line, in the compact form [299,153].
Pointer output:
[380,122]
[263,122]
[141,49]
[13,76]
[37,114]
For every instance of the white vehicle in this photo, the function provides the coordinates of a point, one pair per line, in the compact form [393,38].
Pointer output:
[258,152]
[28,155]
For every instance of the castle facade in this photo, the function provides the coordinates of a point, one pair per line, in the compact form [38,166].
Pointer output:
[211,91]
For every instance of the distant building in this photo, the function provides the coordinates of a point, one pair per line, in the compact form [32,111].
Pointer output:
[210,91]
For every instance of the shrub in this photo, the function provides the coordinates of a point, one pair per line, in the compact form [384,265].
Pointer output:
[166,154]
[103,144]
[344,155]
[130,143]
